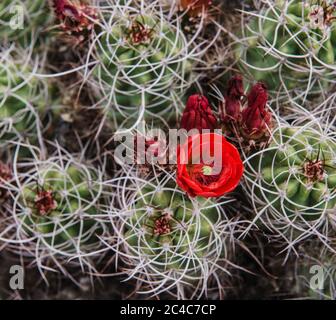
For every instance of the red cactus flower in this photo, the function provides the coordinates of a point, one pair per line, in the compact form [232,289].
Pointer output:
[231,107]
[256,119]
[44,202]
[195,7]
[198,114]
[208,178]
[75,16]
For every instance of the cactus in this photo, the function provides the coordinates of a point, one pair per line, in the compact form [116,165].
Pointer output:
[170,240]
[95,184]
[168,221]
[293,180]
[143,63]
[283,48]
[35,17]
[22,95]
[56,212]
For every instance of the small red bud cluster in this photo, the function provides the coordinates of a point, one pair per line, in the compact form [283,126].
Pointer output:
[76,18]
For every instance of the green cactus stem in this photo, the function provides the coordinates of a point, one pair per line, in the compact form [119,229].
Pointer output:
[296,173]
[180,244]
[284,48]
[144,64]
[171,231]
[33,14]
[54,209]
[55,213]
[22,96]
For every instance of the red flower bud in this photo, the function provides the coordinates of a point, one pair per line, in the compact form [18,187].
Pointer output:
[198,114]
[195,7]
[76,18]
[44,202]
[162,226]
[256,119]
[231,107]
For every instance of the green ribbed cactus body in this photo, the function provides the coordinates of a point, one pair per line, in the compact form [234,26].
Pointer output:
[282,49]
[35,17]
[296,174]
[20,98]
[168,228]
[142,60]
[68,217]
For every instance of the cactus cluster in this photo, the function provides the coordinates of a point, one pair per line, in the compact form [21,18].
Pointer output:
[22,95]
[287,46]
[160,149]
[144,63]
[23,20]
[55,210]
[293,179]
[171,240]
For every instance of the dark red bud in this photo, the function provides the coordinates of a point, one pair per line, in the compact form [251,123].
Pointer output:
[258,96]
[235,87]
[44,202]
[162,226]
[256,118]
[198,114]
[231,107]
[74,17]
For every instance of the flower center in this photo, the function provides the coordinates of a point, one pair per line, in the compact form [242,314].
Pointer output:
[207,170]
[161,226]
[314,170]
[203,173]
[44,202]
